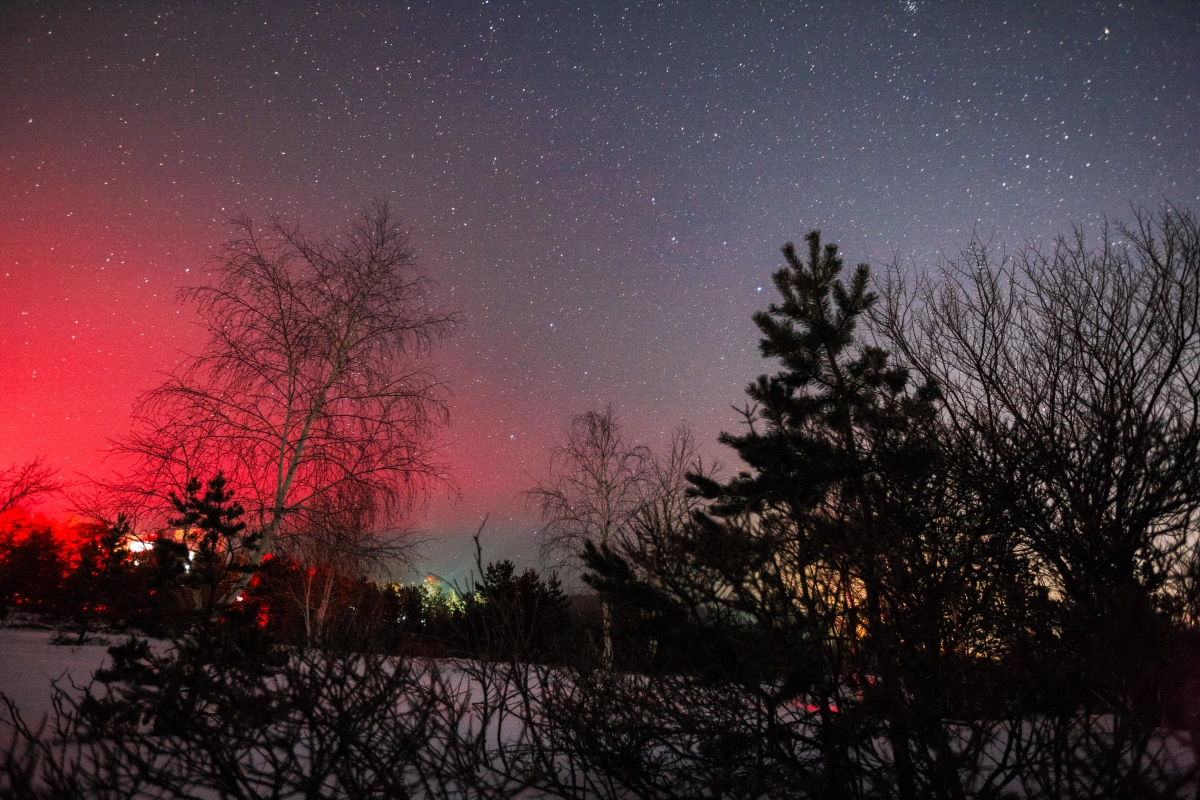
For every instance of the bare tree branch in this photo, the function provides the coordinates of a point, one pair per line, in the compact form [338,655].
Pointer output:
[22,482]
[1071,378]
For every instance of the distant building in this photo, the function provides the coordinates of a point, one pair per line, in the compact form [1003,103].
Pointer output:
[137,543]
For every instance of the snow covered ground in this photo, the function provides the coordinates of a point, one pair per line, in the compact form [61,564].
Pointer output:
[29,663]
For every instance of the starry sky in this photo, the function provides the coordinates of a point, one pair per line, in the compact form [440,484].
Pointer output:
[600,188]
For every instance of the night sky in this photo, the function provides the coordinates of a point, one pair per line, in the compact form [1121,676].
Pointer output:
[600,189]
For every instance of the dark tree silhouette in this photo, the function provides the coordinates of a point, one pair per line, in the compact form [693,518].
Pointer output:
[1072,382]
[102,586]
[600,487]
[596,484]
[514,616]
[311,384]
[22,482]
[33,567]
[213,544]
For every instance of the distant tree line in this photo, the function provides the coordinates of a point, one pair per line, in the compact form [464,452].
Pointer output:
[97,585]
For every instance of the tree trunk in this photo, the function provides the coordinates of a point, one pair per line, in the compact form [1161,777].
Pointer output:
[606,625]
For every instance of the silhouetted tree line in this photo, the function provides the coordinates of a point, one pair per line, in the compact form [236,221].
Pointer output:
[176,586]
[960,560]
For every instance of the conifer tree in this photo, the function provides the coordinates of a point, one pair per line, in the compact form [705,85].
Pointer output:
[100,587]
[213,550]
[844,569]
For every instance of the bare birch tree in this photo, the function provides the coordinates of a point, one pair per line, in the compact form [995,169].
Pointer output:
[596,483]
[339,542]
[312,383]
[602,489]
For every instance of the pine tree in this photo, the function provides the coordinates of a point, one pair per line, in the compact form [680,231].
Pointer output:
[834,424]
[844,570]
[218,652]
[32,567]
[214,545]
[514,616]
[101,586]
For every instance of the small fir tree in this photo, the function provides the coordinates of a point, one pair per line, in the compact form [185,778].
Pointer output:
[211,554]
